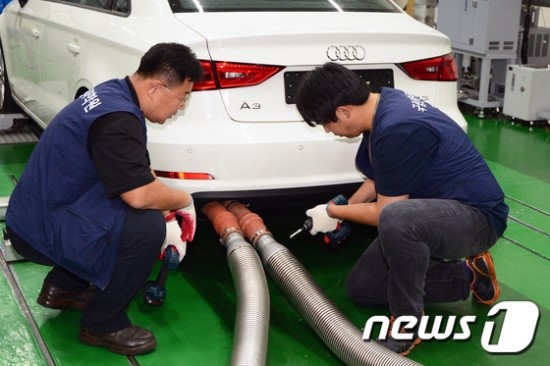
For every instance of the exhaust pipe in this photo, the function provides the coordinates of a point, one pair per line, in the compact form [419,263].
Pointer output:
[252,315]
[335,330]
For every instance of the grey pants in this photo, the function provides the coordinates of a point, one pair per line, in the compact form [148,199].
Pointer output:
[416,257]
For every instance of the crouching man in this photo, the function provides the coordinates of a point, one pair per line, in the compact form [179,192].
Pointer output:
[89,205]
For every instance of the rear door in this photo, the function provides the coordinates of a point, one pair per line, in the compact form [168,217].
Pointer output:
[21,45]
[65,49]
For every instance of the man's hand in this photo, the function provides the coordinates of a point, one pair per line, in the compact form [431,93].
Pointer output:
[173,237]
[188,221]
[321,221]
[179,235]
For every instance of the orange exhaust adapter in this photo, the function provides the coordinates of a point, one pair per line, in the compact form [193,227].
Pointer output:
[250,223]
[224,221]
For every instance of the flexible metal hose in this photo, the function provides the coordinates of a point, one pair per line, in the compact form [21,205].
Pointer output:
[252,315]
[336,331]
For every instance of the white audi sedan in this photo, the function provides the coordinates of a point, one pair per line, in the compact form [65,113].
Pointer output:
[240,135]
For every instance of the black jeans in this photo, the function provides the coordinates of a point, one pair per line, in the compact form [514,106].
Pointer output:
[416,257]
[142,237]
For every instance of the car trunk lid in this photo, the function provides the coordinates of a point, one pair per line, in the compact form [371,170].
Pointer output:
[370,43]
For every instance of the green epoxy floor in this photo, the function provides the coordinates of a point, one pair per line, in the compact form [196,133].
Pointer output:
[195,325]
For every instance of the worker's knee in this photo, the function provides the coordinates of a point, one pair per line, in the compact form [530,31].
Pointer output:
[144,228]
[397,214]
[403,220]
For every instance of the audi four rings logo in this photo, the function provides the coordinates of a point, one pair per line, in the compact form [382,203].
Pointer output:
[343,53]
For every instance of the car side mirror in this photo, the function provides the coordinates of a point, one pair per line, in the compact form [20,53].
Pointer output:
[23,2]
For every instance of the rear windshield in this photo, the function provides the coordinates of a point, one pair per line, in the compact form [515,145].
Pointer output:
[209,6]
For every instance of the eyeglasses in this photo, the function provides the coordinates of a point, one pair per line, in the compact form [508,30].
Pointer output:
[183,99]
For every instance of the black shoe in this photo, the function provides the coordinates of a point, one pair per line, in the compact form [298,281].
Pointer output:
[129,341]
[54,297]
[484,286]
[403,347]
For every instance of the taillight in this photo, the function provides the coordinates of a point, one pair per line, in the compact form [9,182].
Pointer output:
[184,175]
[440,68]
[209,79]
[221,75]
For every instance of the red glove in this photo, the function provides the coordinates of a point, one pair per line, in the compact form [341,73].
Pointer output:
[179,235]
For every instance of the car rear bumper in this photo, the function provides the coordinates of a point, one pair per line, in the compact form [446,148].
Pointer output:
[279,199]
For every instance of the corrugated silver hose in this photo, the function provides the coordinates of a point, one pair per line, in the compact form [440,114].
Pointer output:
[252,315]
[336,331]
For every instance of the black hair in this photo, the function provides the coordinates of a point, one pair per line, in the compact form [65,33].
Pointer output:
[326,88]
[173,63]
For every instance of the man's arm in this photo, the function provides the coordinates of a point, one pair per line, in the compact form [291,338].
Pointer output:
[156,195]
[365,193]
[366,213]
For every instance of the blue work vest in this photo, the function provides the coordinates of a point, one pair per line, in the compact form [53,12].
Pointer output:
[60,206]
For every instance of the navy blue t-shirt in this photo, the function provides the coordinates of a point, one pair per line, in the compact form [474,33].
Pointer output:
[418,150]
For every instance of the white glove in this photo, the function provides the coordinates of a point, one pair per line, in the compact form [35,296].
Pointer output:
[188,221]
[321,221]
[173,237]
[177,235]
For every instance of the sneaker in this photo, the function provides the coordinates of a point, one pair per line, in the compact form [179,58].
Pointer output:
[484,283]
[403,347]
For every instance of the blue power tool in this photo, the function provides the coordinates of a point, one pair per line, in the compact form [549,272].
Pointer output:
[154,292]
[333,239]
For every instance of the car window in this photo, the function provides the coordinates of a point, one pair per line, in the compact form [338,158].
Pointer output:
[100,4]
[192,6]
[121,7]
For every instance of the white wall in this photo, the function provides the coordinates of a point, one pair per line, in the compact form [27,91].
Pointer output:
[544,17]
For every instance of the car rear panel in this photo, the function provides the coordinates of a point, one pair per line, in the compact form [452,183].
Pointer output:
[253,136]
[301,41]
